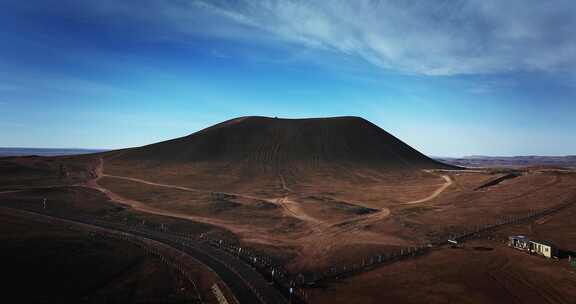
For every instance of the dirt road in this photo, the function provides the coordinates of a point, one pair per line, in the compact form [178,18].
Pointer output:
[448,182]
[320,237]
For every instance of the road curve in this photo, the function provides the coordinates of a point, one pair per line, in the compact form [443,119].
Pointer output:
[247,285]
[447,183]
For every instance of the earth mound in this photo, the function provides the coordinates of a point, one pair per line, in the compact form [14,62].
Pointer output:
[281,143]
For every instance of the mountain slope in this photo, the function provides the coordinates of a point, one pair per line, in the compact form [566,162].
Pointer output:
[280,143]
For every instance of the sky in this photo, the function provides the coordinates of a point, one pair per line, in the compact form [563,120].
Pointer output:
[448,77]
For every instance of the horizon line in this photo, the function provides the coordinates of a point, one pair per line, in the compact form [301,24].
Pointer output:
[431,156]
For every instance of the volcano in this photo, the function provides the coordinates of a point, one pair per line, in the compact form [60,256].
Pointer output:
[275,143]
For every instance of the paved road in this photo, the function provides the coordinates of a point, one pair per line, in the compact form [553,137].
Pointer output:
[244,281]
[247,285]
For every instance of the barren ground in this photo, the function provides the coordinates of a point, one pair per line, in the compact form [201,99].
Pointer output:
[313,219]
[47,263]
[483,271]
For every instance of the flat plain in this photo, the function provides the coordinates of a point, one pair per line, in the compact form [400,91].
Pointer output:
[317,194]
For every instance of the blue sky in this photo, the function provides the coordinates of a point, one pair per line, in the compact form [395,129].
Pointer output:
[450,78]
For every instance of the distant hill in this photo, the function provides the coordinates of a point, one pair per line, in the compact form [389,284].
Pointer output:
[4,152]
[568,161]
[280,143]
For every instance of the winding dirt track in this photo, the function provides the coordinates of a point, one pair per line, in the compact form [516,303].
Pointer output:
[293,209]
[448,183]
[137,180]
[290,207]
[356,223]
[240,230]
[320,237]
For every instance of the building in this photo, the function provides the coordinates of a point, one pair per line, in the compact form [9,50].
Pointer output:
[543,248]
[519,242]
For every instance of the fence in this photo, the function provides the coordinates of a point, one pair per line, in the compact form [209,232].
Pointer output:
[477,231]
[155,252]
[293,286]
[265,265]
[149,249]
[341,271]
[149,230]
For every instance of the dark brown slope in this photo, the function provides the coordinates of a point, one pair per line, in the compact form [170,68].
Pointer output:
[287,142]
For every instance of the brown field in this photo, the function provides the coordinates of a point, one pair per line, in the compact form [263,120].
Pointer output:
[48,263]
[483,271]
[312,204]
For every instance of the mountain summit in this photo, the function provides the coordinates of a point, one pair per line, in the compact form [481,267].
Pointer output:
[277,143]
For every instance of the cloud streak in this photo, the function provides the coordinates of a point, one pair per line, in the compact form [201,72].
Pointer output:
[420,37]
[442,37]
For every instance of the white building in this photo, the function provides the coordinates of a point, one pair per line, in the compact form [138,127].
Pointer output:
[543,248]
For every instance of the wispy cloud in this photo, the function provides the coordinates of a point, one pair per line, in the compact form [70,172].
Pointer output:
[443,37]
[423,37]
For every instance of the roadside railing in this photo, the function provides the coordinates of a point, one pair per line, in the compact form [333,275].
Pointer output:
[293,286]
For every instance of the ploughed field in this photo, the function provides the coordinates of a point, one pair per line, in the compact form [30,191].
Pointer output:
[319,193]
